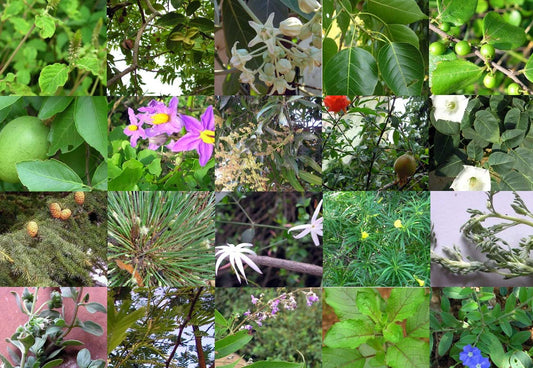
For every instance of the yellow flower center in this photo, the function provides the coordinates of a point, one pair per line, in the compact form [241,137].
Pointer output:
[364,235]
[160,119]
[208,136]
[133,127]
[475,184]
[398,224]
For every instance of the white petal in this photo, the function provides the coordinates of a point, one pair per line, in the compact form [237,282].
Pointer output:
[219,261]
[251,264]
[299,227]
[315,238]
[317,210]
[472,178]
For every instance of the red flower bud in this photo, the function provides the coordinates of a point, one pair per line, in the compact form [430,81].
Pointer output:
[336,103]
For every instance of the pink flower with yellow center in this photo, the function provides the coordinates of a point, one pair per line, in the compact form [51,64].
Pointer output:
[134,130]
[200,136]
[162,118]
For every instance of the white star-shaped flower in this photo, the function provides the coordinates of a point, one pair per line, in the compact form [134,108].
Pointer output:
[472,178]
[314,228]
[239,57]
[266,33]
[236,254]
[450,108]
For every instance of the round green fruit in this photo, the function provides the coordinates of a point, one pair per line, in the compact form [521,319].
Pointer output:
[437,48]
[513,89]
[462,48]
[489,81]
[487,51]
[445,26]
[22,139]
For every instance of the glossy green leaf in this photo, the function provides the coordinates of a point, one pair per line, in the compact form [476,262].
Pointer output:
[488,126]
[402,34]
[396,11]
[90,117]
[99,179]
[8,101]
[457,12]
[63,135]
[528,69]
[52,77]
[46,25]
[53,105]
[402,68]
[393,332]
[350,333]
[452,76]
[329,49]
[231,343]
[351,72]
[342,358]
[408,352]
[49,175]
[170,19]
[501,34]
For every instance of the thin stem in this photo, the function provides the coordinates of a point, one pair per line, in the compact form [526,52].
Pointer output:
[249,11]
[76,307]
[252,224]
[17,49]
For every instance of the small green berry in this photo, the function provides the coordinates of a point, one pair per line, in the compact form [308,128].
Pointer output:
[489,81]
[437,48]
[487,51]
[462,48]
[445,26]
[513,89]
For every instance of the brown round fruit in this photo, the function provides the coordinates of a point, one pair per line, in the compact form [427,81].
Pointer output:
[32,229]
[79,197]
[65,214]
[55,210]
[405,166]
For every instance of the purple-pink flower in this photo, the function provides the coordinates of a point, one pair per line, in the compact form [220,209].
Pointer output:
[164,119]
[134,130]
[200,136]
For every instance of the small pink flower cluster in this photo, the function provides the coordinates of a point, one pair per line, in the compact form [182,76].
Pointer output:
[157,122]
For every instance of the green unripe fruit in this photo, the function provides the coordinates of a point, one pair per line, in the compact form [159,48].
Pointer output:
[437,48]
[462,48]
[22,139]
[445,26]
[514,17]
[513,89]
[405,166]
[454,31]
[489,81]
[487,51]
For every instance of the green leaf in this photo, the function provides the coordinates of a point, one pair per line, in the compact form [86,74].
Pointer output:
[351,72]
[8,101]
[528,69]
[53,363]
[92,328]
[393,332]
[403,302]
[6,362]
[329,49]
[52,77]
[71,343]
[408,352]
[447,127]
[350,333]
[342,358]
[520,359]
[452,76]
[512,138]
[402,34]
[369,303]
[53,105]
[231,343]
[132,171]
[310,178]
[63,135]
[171,19]
[192,7]
[155,167]
[91,121]
[220,321]
[396,11]
[523,157]
[418,324]
[275,364]
[506,327]
[488,342]
[46,25]
[95,307]
[488,126]
[84,358]
[457,12]
[501,162]
[501,34]
[99,179]
[342,300]
[402,68]
[119,321]
[91,64]
[50,175]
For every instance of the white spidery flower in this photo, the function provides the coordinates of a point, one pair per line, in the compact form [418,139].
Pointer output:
[314,228]
[236,255]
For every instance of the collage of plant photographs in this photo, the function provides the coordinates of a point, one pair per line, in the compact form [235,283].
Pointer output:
[266,183]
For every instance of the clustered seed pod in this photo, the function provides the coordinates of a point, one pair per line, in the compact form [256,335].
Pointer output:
[55,210]
[79,197]
[32,229]
[65,214]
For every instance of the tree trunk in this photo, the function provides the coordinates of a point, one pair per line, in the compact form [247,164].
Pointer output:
[199,349]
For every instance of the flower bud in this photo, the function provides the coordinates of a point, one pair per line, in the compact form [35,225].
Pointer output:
[269,68]
[308,6]
[305,31]
[289,77]
[283,66]
[317,29]
[291,27]
[317,42]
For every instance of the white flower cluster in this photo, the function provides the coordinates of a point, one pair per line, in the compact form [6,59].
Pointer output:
[281,56]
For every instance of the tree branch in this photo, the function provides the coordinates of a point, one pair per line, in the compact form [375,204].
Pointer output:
[287,265]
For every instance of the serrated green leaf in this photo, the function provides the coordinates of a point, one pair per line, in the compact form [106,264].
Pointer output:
[351,72]
[403,303]
[501,34]
[342,358]
[350,333]
[342,300]
[50,175]
[396,11]
[402,68]
[52,77]
[452,76]
[46,25]
[408,352]
[91,64]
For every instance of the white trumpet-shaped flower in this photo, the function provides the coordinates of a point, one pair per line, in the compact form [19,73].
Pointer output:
[314,228]
[472,178]
[450,108]
[236,255]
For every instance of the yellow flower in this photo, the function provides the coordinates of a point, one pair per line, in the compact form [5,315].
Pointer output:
[398,224]
[364,235]
[420,282]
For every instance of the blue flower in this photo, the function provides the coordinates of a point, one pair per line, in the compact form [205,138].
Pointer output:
[472,358]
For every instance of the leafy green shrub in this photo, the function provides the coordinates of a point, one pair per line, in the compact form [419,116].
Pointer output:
[377,331]
[490,40]
[77,143]
[374,47]
[52,47]
[376,239]
[495,320]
